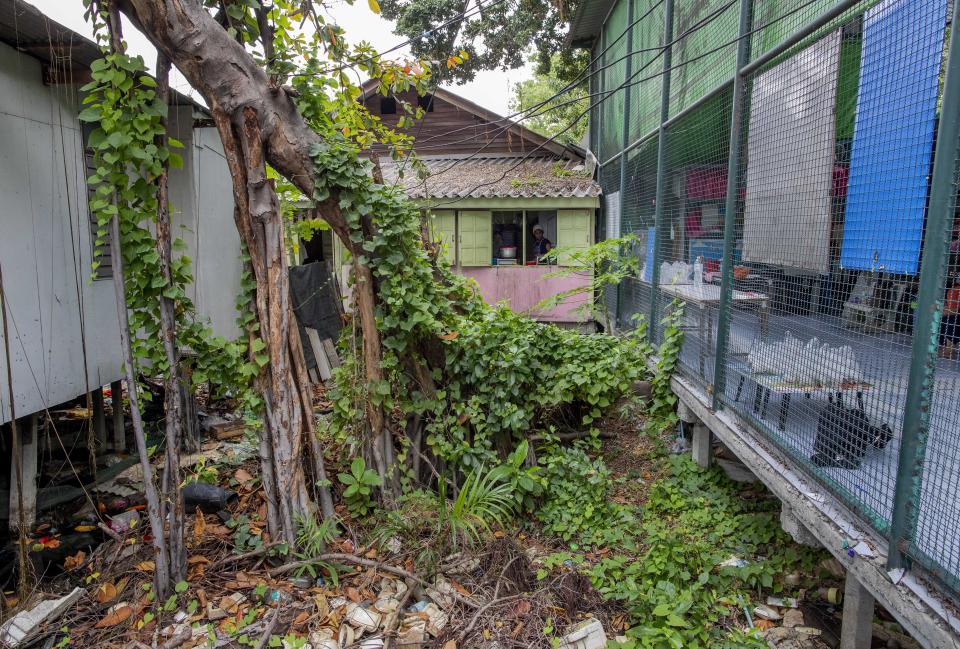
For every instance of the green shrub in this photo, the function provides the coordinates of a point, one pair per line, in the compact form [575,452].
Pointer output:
[576,504]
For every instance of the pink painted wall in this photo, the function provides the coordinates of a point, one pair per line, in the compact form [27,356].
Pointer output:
[523,287]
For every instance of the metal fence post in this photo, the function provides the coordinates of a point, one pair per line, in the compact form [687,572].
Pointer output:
[659,211]
[916,419]
[625,139]
[737,126]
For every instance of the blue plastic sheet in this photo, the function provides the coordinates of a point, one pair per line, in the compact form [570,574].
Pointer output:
[893,136]
[648,267]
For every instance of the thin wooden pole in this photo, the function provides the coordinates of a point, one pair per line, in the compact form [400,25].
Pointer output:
[23,583]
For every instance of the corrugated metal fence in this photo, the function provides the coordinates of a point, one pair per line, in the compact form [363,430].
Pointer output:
[814,145]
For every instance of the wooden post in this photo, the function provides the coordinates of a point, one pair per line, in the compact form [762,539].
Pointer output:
[119,432]
[99,418]
[27,432]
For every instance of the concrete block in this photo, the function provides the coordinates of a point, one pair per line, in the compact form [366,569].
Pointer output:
[856,631]
[702,445]
[685,413]
[792,526]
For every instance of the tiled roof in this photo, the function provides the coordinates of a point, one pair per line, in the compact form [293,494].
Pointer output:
[495,177]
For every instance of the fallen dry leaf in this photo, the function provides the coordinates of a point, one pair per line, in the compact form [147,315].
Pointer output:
[74,562]
[353,594]
[196,558]
[763,625]
[146,566]
[116,615]
[453,335]
[199,525]
[459,588]
[450,644]
[105,592]
[301,618]
[521,608]
[219,531]
[243,476]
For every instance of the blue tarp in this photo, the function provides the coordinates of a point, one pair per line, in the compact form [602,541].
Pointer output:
[648,267]
[893,135]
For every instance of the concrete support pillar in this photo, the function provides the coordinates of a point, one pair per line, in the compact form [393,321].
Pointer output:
[119,433]
[99,418]
[792,526]
[27,433]
[685,413]
[702,445]
[856,631]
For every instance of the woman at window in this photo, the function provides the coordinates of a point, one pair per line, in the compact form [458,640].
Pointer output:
[541,244]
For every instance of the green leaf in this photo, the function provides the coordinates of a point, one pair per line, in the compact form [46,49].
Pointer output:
[181,586]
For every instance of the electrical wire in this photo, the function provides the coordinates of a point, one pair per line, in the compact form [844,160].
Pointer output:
[627,83]
[706,20]
[607,95]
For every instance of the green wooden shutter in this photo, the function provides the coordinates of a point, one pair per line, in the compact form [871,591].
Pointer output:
[573,232]
[476,238]
[443,228]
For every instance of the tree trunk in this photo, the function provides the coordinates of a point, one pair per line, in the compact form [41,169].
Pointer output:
[259,124]
[173,406]
[288,412]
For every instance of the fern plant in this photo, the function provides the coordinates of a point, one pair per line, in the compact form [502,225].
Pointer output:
[312,539]
[481,501]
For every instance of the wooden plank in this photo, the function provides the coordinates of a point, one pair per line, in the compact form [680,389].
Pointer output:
[332,356]
[119,430]
[27,432]
[228,429]
[323,365]
[99,418]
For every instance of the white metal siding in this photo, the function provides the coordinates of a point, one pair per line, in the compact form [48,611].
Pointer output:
[45,246]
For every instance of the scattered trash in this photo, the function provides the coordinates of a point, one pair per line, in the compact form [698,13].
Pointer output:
[831,595]
[362,618]
[436,619]
[765,612]
[588,634]
[442,592]
[792,579]
[393,545]
[896,575]
[734,562]
[209,498]
[793,618]
[782,602]
[25,624]
[125,521]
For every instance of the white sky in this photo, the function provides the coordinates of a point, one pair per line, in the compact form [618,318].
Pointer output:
[489,89]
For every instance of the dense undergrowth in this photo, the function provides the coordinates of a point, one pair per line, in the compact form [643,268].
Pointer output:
[664,564]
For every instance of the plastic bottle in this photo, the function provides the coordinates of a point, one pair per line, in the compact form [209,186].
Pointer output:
[698,272]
